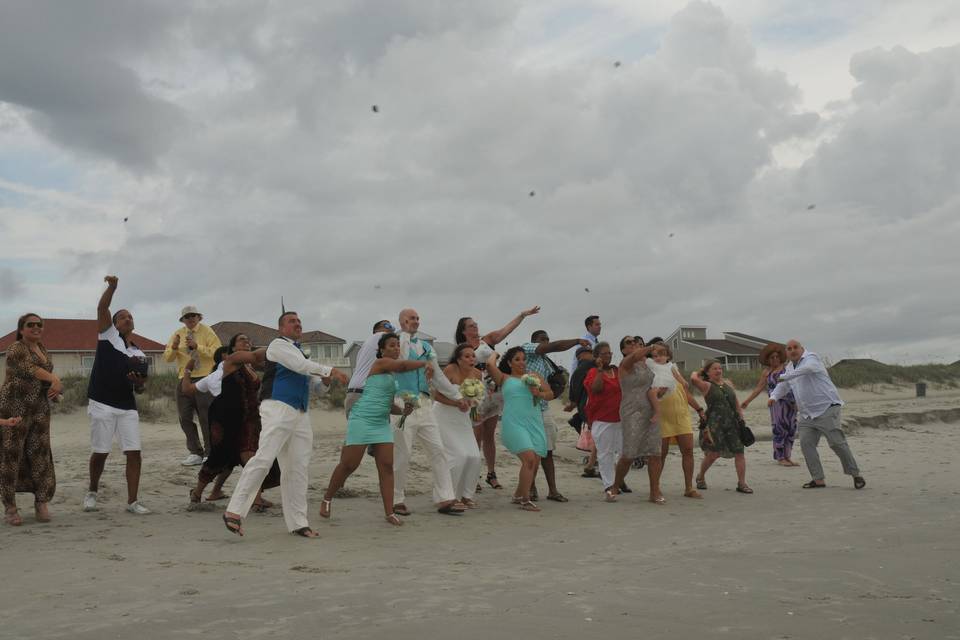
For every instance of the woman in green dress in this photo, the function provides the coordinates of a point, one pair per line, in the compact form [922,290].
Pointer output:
[721,435]
[522,421]
[369,425]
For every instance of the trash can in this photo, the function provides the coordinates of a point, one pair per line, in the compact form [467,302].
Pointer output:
[921,389]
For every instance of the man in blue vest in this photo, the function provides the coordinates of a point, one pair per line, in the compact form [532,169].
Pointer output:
[286,435]
[421,424]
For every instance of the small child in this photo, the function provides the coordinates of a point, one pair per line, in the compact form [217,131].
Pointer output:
[663,380]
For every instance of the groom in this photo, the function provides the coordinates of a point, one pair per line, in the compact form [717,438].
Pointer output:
[421,424]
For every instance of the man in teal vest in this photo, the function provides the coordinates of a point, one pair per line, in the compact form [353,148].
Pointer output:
[421,424]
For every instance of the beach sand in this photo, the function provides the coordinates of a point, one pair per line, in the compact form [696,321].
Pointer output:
[782,563]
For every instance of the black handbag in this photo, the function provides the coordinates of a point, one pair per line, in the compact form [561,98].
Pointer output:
[557,381]
[746,435]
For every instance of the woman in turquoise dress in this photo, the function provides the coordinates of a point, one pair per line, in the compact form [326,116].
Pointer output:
[522,430]
[369,425]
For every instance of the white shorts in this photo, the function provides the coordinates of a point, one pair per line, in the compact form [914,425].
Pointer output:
[108,423]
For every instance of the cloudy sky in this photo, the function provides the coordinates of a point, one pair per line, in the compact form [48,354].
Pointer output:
[777,167]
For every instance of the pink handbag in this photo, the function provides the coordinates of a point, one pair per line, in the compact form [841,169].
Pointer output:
[585,441]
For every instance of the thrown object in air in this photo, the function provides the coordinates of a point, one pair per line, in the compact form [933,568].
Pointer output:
[533,193]
[811,207]
[586,289]
[375,109]
[671,235]
[616,64]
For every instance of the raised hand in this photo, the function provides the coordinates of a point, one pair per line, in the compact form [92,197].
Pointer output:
[531,311]
[111,281]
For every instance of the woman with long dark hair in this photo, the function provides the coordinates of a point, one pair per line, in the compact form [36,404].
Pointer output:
[721,435]
[489,411]
[26,461]
[456,428]
[234,416]
[522,431]
[369,425]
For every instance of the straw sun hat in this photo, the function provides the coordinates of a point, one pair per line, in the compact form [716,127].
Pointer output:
[769,350]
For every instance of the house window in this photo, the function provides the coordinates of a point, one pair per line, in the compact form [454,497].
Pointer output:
[86,365]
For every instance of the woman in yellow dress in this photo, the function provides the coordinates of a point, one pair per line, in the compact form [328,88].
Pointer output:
[675,426]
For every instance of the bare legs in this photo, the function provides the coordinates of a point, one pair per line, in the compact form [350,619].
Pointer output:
[486,433]
[685,442]
[529,461]
[350,458]
[99,460]
[739,462]
[654,470]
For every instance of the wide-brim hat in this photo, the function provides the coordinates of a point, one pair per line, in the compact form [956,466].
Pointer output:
[769,350]
[187,310]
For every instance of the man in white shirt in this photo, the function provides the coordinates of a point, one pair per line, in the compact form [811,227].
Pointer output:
[818,413]
[422,424]
[286,435]
[365,359]
[592,323]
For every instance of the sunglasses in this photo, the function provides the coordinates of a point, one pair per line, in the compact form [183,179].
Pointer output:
[33,325]
[192,315]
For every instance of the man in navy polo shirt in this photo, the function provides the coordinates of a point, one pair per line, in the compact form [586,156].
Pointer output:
[111,404]
[286,434]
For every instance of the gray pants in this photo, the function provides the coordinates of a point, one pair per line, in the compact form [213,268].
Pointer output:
[827,424]
[187,407]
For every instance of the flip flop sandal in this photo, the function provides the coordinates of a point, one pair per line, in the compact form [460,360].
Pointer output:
[218,498]
[625,489]
[814,485]
[529,506]
[660,500]
[859,483]
[609,496]
[744,489]
[449,511]
[693,493]
[701,484]
[236,523]
[590,473]
[401,510]
[304,532]
[194,497]
[492,480]
[558,497]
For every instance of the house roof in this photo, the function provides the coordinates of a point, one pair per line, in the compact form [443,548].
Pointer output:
[727,347]
[63,334]
[261,335]
[747,336]
[860,361]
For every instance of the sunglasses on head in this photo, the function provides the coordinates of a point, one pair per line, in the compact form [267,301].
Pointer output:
[33,325]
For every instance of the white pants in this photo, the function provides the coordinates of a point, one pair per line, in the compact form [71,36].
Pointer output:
[286,437]
[608,436]
[460,443]
[420,424]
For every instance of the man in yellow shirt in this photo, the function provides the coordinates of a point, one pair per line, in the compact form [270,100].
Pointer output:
[193,341]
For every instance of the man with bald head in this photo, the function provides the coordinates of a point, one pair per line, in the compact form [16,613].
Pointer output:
[421,424]
[818,413]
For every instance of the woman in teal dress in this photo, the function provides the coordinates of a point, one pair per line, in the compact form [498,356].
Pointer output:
[369,425]
[522,421]
[721,434]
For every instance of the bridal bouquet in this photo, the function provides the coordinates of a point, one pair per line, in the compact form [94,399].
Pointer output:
[407,398]
[473,390]
[532,381]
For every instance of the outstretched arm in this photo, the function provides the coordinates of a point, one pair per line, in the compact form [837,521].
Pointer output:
[561,345]
[702,385]
[761,383]
[496,337]
[104,318]
[637,355]
[493,371]
[811,364]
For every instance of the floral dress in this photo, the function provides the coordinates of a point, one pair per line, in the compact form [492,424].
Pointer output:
[26,461]
[783,419]
[722,422]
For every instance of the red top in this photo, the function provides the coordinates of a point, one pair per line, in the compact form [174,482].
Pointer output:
[603,406]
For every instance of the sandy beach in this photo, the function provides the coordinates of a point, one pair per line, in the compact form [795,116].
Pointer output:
[782,563]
